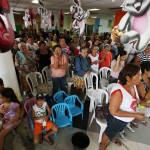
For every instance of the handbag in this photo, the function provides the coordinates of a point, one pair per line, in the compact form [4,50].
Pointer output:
[43,88]
[101,111]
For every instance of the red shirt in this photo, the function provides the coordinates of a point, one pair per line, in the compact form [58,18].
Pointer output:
[107,59]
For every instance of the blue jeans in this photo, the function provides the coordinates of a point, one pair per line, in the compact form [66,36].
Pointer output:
[59,82]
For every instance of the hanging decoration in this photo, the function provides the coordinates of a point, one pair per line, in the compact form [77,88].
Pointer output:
[7,37]
[135,23]
[29,18]
[78,24]
[52,18]
[61,18]
[45,16]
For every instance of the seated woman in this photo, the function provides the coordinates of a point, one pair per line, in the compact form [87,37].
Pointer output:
[117,64]
[25,64]
[82,67]
[123,103]
[9,113]
[144,86]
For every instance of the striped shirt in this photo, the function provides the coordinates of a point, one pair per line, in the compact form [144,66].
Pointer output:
[143,57]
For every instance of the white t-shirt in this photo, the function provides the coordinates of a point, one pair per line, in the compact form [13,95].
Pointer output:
[129,103]
[94,67]
[40,111]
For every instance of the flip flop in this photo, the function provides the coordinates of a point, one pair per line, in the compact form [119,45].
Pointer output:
[117,142]
[50,141]
[134,124]
[144,122]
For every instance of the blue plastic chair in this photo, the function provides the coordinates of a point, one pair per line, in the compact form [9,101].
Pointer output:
[72,102]
[61,115]
[59,97]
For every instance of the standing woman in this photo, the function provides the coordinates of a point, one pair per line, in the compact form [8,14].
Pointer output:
[25,64]
[105,56]
[123,103]
[82,67]
[94,59]
[59,64]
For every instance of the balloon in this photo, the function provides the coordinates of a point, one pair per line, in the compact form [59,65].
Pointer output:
[7,37]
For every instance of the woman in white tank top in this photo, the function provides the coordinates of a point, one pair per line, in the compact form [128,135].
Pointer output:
[123,103]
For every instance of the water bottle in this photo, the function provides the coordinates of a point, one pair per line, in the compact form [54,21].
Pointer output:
[24,96]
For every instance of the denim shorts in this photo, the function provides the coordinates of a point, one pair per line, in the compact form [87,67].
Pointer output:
[114,126]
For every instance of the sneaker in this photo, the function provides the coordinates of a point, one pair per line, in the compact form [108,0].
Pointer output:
[122,135]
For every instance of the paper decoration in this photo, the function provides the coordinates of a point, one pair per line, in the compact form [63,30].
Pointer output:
[136,23]
[78,24]
[45,16]
[61,18]
[7,38]
[29,18]
[52,18]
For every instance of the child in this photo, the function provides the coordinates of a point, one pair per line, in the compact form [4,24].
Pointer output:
[9,113]
[41,120]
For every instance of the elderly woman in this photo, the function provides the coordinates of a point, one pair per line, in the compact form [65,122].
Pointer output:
[25,64]
[59,64]
[123,103]
[94,59]
[82,67]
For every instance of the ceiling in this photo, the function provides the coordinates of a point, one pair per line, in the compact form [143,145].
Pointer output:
[107,7]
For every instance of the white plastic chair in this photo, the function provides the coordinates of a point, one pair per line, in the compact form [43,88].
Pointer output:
[89,85]
[104,74]
[98,98]
[109,87]
[46,72]
[34,79]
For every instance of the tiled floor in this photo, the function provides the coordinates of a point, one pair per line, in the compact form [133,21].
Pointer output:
[63,142]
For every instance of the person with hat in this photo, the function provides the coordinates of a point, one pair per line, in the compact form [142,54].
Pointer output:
[40,114]
[105,56]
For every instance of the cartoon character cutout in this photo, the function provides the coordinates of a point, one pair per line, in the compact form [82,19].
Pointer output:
[136,23]
[45,16]
[78,24]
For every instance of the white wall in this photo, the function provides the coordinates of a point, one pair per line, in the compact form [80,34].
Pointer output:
[104,26]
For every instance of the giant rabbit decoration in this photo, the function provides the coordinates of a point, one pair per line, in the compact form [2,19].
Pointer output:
[7,37]
[136,23]
[78,24]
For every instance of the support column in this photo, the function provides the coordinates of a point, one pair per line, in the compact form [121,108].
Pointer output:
[10,17]
[8,73]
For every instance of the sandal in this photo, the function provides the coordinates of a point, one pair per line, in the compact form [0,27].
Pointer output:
[117,141]
[134,124]
[144,122]
[41,140]
[49,141]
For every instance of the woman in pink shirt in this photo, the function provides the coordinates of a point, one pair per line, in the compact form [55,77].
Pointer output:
[59,63]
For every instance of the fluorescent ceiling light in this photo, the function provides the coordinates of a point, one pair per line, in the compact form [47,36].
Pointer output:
[35,1]
[67,13]
[94,9]
[93,17]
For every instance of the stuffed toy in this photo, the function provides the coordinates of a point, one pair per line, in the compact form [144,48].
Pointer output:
[78,24]
[7,38]
[136,23]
